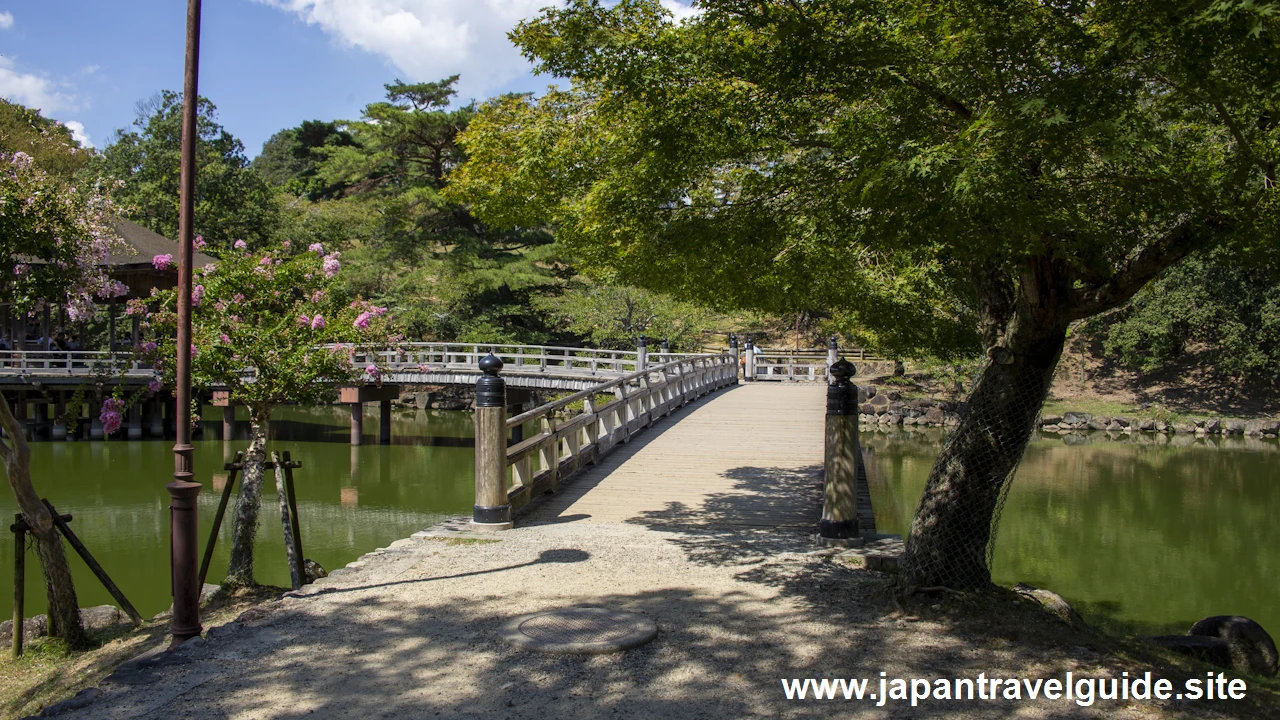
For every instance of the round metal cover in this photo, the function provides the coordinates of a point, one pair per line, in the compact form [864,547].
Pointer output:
[581,631]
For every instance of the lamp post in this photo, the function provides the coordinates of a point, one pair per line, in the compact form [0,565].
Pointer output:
[184,491]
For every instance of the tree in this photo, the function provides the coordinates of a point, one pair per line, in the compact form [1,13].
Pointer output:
[290,157]
[611,316]
[270,328]
[953,176]
[232,200]
[51,241]
[47,141]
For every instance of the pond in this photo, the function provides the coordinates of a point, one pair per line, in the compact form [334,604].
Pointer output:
[1141,537]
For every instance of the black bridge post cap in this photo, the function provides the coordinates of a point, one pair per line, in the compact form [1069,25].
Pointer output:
[749,341]
[842,370]
[842,395]
[491,390]
[832,344]
[733,340]
[641,342]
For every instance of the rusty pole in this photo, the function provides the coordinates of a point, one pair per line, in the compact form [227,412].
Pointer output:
[183,491]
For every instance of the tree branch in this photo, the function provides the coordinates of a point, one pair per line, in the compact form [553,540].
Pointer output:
[1138,270]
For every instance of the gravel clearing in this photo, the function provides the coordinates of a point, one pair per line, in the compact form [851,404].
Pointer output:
[415,631]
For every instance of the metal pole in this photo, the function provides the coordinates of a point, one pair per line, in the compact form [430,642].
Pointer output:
[492,511]
[184,491]
[839,523]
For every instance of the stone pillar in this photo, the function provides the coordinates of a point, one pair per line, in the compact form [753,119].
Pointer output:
[135,422]
[492,511]
[357,423]
[733,350]
[229,421]
[384,422]
[839,523]
[666,348]
[156,420]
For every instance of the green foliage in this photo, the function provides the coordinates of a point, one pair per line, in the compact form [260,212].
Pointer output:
[614,317]
[47,141]
[270,311]
[926,170]
[232,201]
[1228,312]
[290,157]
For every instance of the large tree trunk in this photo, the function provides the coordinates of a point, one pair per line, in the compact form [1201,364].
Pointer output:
[248,503]
[64,609]
[954,526]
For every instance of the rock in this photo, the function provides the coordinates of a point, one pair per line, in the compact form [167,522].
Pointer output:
[863,395]
[1076,418]
[1233,427]
[1211,650]
[1052,602]
[1198,422]
[1147,425]
[894,396]
[1261,427]
[1250,648]
[1212,425]
[313,570]
[867,408]
[1115,427]
[880,401]
[908,421]
[99,617]
[1098,423]
[1050,419]
[407,398]
[934,416]
[951,420]
[1121,421]
[884,419]
[422,400]
[870,391]
[1184,427]
[1162,426]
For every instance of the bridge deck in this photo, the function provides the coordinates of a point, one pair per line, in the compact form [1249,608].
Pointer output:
[748,456]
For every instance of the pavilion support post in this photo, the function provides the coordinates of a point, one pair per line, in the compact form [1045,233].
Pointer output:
[384,422]
[492,511]
[839,523]
[228,421]
[135,332]
[41,420]
[59,429]
[357,423]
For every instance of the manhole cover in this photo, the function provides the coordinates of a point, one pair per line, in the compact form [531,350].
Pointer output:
[583,631]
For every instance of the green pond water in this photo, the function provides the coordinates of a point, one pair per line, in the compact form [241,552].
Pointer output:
[1139,536]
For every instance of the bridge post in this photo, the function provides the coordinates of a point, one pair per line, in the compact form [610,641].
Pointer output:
[833,354]
[733,350]
[642,356]
[135,422]
[357,422]
[666,347]
[384,422]
[59,430]
[157,418]
[839,523]
[749,367]
[491,511]
[228,420]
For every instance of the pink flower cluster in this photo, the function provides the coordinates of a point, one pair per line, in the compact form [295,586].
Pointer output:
[162,262]
[155,385]
[362,321]
[239,245]
[331,265]
[317,322]
[110,416]
[199,242]
[197,295]
[373,372]
[21,269]
[316,248]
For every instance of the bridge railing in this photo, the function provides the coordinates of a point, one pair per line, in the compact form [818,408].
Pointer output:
[564,446]
[790,367]
[74,362]
[542,359]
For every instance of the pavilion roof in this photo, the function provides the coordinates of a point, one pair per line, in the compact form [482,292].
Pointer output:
[146,245]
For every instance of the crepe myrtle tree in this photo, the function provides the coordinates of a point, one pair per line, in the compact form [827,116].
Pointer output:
[270,329]
[946,177]
[53,237]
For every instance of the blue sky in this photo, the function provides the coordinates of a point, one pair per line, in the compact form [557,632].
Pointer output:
[266,64]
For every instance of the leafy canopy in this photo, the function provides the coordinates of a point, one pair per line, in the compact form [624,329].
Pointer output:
[927,170]
[232,201]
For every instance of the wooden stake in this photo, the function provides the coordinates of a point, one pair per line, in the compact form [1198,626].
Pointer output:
[93,565]
[19,580]
[232,468]
[299,558]
[295,576]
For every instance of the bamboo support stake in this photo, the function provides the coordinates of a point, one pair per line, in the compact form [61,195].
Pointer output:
[295,577]
[232,469]
[84,554]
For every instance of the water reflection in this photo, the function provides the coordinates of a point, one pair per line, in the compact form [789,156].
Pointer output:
[1144,533]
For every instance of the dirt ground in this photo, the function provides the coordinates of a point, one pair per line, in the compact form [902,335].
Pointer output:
[413,631]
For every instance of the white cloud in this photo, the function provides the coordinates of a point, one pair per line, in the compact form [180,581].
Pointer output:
[34,91]
[78,133]
[431,39]
[6,20]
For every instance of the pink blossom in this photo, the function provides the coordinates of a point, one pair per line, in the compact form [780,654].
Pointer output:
[194,351]
[147,347]
[237,297]
[239,245]
[197,295]
[373,371]
[278,261]
[424,368]
[304,321]
[199,242]
[362,321]
[234,318]
[317,296]
[21,269]
[225,340]
[317,323]
[331,266]
[378,310]
[316,248]
[22,160]
[110,420]
[356,303]
[266,260]
[162,262]
[221,305]
[155,385]
[285,244]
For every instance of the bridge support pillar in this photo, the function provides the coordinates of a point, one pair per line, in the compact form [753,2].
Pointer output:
[492,510]
[228,421]
[59,430]
[41,413]
[839,523]
[833,355]
[642,354]
[156,412]
[135,422]
[384,422]
[357,423]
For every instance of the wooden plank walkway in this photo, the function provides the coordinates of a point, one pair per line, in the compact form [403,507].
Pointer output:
[747,456]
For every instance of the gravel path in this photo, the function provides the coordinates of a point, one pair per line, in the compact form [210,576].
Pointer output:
[413,631]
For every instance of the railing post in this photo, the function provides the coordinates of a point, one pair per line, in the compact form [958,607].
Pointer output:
[733,350]
[491,510]
[833,355]
[839,523]
[666,347]
[749,368]
[642,354]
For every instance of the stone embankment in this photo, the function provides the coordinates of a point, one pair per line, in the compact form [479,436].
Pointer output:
[1080,422]
[877,406]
